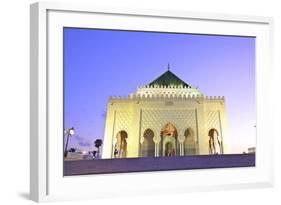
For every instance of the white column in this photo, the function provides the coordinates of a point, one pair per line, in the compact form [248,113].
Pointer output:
[182,149]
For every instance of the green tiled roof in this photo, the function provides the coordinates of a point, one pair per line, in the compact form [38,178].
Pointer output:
[169,79]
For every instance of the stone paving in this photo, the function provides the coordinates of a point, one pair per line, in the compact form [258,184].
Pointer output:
[106,166]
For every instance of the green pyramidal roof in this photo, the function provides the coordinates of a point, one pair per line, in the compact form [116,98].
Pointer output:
[168,79]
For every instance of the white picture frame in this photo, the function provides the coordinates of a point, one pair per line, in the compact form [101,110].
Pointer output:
[47,182]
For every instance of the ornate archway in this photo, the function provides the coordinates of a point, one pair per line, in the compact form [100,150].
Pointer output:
[189,142]
[169,143]
[148,147]
[215,142]
[120,148]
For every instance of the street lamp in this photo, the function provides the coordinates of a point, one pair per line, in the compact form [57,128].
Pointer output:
[69,133]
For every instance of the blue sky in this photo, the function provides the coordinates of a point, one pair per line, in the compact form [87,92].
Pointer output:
[101,63]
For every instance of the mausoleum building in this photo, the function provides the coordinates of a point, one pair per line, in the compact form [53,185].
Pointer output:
[167,117]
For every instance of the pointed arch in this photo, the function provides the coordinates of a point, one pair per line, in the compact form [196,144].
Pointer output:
[148,146]
[215,143]
[189,142]
[120,147]
[169,140]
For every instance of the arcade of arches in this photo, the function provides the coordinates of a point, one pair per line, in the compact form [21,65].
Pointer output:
[169,144]
[167,117]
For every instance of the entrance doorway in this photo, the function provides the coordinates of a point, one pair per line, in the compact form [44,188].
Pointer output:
[169,137]
[148,147]
[120,150]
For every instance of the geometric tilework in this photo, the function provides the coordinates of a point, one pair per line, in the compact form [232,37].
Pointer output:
[123,121]
[213,120]
[156,119]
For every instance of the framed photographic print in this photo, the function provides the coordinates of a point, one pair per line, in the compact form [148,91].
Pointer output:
[143,101]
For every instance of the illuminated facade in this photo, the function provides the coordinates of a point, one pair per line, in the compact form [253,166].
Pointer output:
[167,117]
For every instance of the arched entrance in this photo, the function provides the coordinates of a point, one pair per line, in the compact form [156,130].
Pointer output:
[169,149]
[120,150]
[147,147]
[169,137]
[215,143]
[189,142]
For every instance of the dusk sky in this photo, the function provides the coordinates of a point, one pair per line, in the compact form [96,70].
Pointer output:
[102,63]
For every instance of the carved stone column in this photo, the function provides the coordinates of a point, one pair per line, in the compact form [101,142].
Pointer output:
[157,141]
[181,142]
[156,150]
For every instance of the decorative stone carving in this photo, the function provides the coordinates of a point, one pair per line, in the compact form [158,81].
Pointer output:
[123,121]
[154,106]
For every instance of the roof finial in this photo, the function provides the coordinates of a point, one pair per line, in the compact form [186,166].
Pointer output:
[168,66]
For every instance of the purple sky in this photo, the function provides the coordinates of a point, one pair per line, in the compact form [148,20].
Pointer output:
[100,63]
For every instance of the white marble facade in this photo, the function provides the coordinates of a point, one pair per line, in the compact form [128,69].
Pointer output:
[165,118]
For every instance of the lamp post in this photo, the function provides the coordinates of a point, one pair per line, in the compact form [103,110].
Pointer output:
[98,143]
[69,132]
